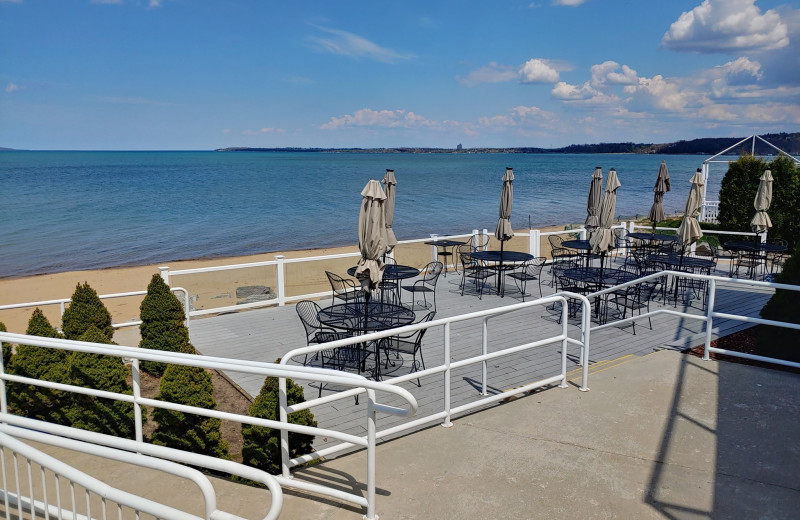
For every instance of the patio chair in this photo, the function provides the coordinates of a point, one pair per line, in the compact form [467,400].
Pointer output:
[408,344]
[426,284]
[555,241]
[316,333]
[635,298]
[563,259]
[343,288]
[389,286]
[531,270]
[480,242]
[473,270]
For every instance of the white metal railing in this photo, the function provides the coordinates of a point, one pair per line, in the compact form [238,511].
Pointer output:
[447,365]
[709,211]
[632,227]
[408,408]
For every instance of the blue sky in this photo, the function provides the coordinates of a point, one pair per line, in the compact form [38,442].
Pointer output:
[204,74]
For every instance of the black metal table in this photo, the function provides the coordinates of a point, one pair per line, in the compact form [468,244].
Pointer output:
[679,262]
[393,273]
[577,244]
[501,261]
[653,237]
[444,248]
[362,317]
[755,252]
[596,278]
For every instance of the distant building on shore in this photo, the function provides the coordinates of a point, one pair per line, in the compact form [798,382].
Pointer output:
[459,147]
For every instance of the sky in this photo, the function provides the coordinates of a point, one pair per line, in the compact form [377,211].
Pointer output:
[207,74]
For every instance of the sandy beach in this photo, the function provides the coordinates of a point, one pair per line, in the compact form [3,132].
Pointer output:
[207,290]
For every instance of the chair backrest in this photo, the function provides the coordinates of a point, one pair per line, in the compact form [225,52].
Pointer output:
[534,267]
[480,242]
[555,241]
[336,281]
[432,272]
[307,310]
[417,336]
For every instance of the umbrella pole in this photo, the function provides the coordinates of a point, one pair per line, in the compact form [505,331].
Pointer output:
[500,269]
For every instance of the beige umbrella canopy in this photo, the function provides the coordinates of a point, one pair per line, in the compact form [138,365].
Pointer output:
[662,186]
[389,187]
[371,236]
[761,221]
[594,199]
[504,231]
[602,240]
[689,231]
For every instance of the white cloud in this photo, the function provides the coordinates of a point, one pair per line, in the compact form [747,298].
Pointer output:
[366,117]
[663,94]
[354,46]
[606,72]
[727,26]
[582,94]
[492,73]
[537,70]
[154,4]
[12,87]
[107,2]
[569,3]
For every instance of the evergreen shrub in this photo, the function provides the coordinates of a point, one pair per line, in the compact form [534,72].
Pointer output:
[86,310]
[261,446]
[6,347]
[779,342]
[191,386]
[163,324]
[100,372]
[39,363]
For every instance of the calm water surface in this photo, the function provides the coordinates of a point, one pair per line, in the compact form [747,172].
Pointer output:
[63,211]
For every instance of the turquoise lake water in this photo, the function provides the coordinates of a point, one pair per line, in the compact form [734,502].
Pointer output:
[62,211]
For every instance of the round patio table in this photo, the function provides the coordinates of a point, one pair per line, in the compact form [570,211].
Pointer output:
[653,237]
[366,317]
[393,273]
[497,259]
[444,248]
[755,246]
[577,244]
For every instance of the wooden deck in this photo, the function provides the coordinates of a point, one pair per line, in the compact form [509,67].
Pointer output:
[267,334]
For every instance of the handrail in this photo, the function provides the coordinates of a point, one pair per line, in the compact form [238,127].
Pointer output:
[258,368]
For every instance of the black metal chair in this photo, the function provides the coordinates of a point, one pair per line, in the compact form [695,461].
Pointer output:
[555,241]
[408,344]
[316,333]
[530,270]
[343,288]
[426,284]
[472,269]
[389,287]
[563,259]
[635,298]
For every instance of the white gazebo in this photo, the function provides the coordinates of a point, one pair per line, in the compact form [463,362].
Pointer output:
[711,207]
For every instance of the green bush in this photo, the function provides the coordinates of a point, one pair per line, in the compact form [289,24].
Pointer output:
[86,310]
[39,363]
[163,326]
[262,446]
[6,348]
[738,191]
[190,386]
[100,372]
[779,342]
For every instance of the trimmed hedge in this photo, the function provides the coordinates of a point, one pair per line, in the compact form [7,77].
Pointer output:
[163,324]
[100,372]
[86,310]
[262,446]
[191,386]
[39,363]
[779,342]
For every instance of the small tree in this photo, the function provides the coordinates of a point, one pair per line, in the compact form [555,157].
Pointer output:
[261,446]
[163,326]
[39,363]
[779,342]
[191,386]
[102,373]
[86,310]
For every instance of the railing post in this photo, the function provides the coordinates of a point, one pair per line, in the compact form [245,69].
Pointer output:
[586,335]
[474,238]
[583,233]
[712,291]
[164,272]
[371,442]
[283,403]
[485,363]
[280,279]
[564,342]
[137,394]
[486,234]
[447,423]
[536,242]
[434,256]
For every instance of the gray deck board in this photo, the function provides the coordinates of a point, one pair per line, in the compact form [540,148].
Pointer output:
[265,335]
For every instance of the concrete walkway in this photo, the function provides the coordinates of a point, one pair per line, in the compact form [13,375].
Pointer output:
[664,435]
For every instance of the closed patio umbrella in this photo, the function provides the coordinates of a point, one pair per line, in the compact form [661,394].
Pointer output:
[761,221]
[389,187]
[594,199]
[371,237]
[504,231]
[602,240]
[689,231]
[662,186]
